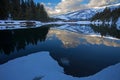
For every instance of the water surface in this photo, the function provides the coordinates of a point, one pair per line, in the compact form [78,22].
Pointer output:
[82,50]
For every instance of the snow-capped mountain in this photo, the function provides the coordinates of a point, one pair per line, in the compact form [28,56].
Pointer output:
[86,13]
[81,15]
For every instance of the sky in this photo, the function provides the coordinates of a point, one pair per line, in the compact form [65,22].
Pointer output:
[55,7]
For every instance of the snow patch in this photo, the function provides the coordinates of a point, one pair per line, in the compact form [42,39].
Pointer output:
[29,67]
[118,24]
[17,24]
[40,64]
[61,17]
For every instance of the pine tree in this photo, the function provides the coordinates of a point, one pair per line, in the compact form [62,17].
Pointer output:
[43,13]
[3,9]
[23,9]
[107,15]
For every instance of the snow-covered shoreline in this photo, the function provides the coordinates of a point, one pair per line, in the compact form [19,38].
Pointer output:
[17,22]
[118,24]
[20,24]
[42,65]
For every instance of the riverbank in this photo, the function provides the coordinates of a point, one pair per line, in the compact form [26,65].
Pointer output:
[19,24]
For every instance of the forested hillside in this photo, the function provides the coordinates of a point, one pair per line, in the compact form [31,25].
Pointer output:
[23,10]
[108,14]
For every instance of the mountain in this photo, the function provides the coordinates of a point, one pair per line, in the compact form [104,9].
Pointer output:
[86,13]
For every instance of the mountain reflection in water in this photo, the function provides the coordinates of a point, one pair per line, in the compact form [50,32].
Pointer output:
[82,50]
[71,39]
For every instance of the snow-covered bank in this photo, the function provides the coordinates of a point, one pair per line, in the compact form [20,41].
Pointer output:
[99,22]
[27,68]
[40,64]
[18,24]
[118,24]
[18,27]
[69,22]
[57,22]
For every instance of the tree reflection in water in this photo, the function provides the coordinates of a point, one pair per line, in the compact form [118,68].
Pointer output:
[11,40]
[106,30]
[72,46]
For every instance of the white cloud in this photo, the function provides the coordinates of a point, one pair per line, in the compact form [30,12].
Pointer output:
[97,3]
[68,5]
[49,4]
[72,5]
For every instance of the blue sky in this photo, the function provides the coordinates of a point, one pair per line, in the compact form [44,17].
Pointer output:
[85,2]
[48,1]
[55,2]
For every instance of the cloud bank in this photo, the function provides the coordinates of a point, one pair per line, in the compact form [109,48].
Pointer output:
[98,3]
[72,5]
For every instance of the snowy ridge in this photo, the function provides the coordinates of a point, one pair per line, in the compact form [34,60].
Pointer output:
[86,13]
[82,14]
[78,15]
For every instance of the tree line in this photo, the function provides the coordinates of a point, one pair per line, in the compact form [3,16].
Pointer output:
[23,10]
[107,15]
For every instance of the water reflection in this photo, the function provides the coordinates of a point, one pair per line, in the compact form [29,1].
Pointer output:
[106,30]
[69,39]
[82,50]
[11,40]
[73,39]
[85,52]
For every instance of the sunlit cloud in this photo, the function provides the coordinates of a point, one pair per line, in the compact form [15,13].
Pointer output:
[97,3]
[66,6]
